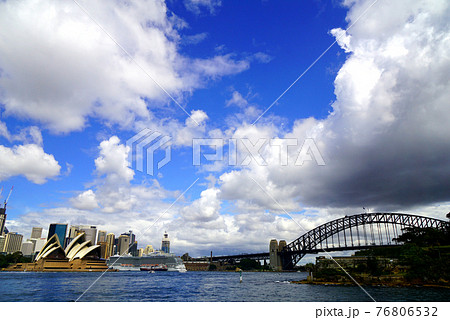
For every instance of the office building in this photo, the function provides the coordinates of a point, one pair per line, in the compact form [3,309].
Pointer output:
[2,243]
[148,249]
[133,243]
[73,231]
[110,237]
[27,248]
[165,244]
[103,245]
[140,252]
[123,244]
[101,237]
[60,230]
[36,233]
[91,233]
[2,220]
[13,242]
[38,244]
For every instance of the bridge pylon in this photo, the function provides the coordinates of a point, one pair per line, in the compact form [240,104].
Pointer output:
[277,260]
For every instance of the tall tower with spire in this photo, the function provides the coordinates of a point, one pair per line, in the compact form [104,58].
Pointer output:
[165,245]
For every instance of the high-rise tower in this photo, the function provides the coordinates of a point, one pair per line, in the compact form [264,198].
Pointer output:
[165,244]
[2,220]
[60,229]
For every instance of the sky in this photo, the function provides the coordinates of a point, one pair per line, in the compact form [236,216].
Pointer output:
[278,116]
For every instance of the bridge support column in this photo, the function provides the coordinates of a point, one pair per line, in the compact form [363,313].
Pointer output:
[275,261]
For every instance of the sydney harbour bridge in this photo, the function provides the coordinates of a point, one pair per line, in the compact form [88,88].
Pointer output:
[355,232]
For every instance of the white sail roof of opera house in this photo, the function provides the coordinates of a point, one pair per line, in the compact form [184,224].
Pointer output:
[73,242]
[51,245]
[84,252]
[78,248]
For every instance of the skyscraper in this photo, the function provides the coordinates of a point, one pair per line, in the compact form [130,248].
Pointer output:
[165,244]
[13,242]
[103,245]
[133,243]
[2,220]
[101,236]
[27,248]
[123,244]
[91,233]
[60,229]
[36,233]
[110,244]
[38,244]
[2,243]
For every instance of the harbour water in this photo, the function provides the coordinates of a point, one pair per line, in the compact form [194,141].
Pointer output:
[194,286]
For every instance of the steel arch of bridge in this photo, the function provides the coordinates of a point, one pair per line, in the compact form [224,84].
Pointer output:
[310,241]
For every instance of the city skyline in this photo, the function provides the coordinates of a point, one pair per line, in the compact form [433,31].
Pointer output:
[67,239]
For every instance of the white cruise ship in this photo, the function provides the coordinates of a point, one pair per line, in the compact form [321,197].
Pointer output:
[130,263]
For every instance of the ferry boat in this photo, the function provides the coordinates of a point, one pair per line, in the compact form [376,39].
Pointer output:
[130,263]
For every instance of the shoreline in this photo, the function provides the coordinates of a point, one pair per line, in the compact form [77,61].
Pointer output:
[385,285]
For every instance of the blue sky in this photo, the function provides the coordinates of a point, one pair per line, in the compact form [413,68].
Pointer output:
[70,98]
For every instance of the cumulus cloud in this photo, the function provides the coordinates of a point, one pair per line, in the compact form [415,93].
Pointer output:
[385,144]
[85,201]
[28,160]
[113,162]
[77,72]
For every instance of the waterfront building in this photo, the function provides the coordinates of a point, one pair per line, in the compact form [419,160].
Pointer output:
[133,250]
[110,237]
[165,244]
[140,252]
[103,245]
[73,232]
[36,233]
[27,248]
[2,243]
[148,249]
[13,242]
[2,220]
[60,229]
[101,237]
[116,246]
[38,244]
[123,244]
[91,233]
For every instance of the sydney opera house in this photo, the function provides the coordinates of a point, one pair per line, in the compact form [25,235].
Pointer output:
[80,255]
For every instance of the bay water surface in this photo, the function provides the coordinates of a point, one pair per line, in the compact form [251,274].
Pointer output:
[193,286]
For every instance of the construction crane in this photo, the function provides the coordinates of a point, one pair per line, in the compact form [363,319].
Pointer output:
[9,195]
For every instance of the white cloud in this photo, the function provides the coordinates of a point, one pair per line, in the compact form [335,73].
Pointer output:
[85,201]
[28,160]
[113,162]
[196,6]
[238,100]
[204,209]
[77,72]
